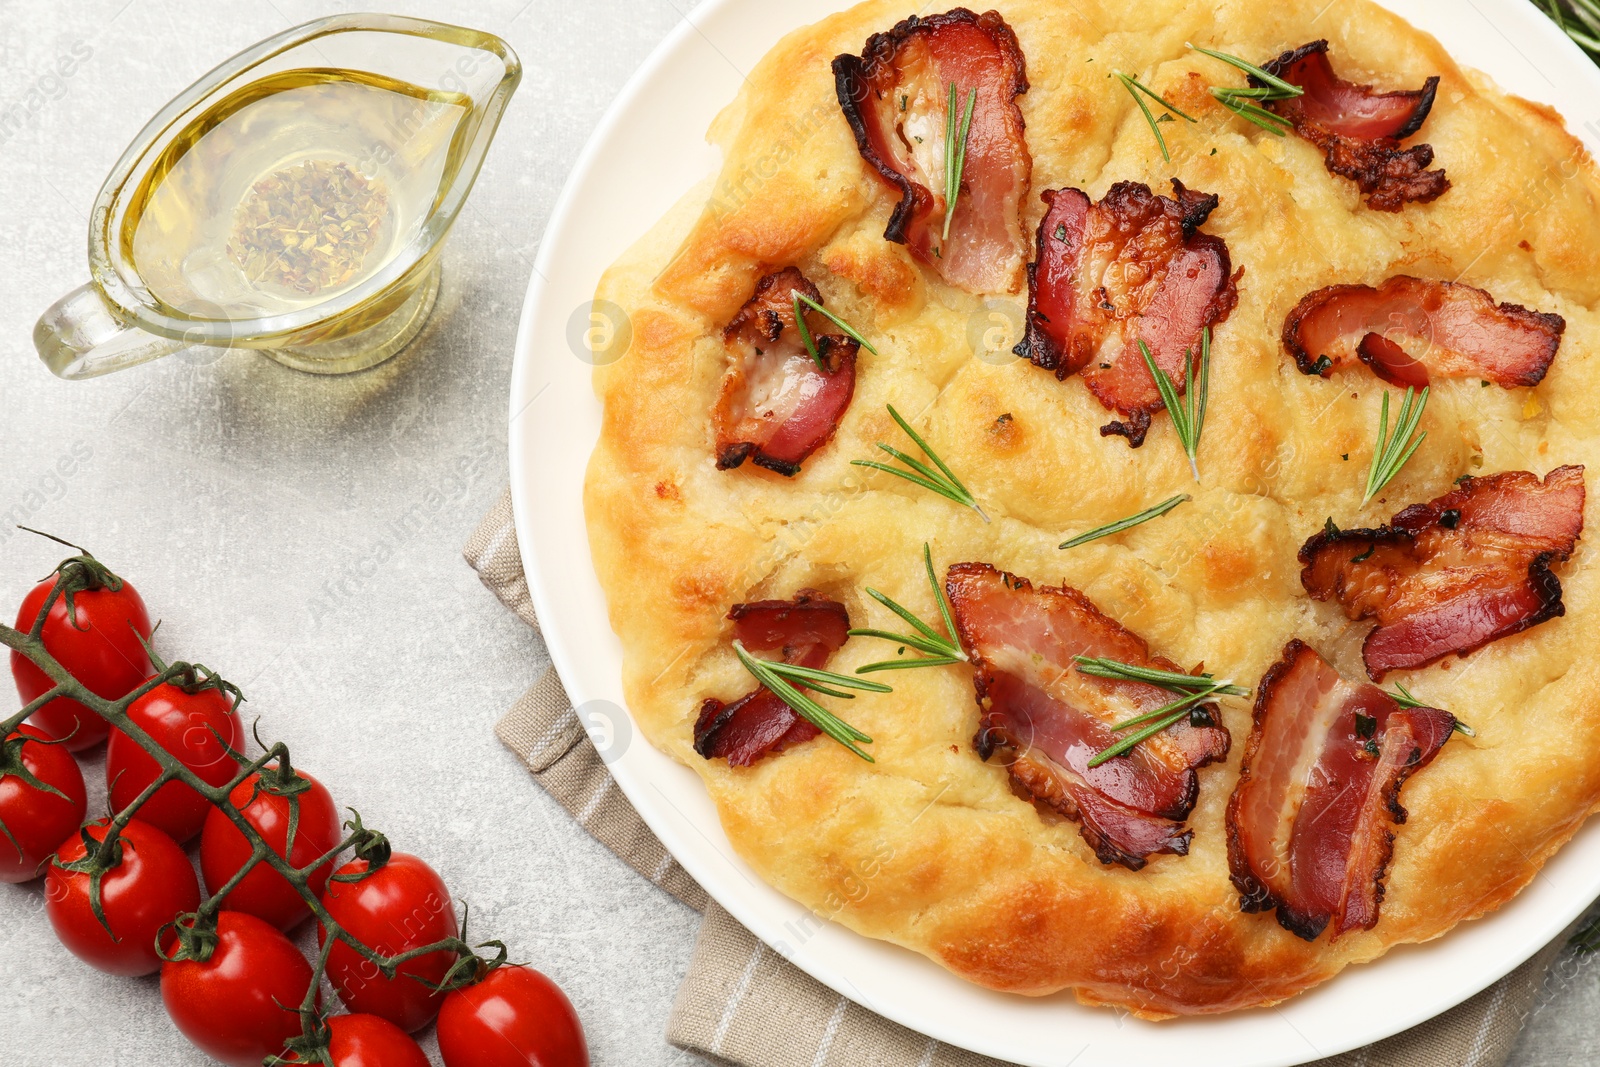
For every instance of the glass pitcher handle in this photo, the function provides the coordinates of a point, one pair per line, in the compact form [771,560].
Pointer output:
[81,337]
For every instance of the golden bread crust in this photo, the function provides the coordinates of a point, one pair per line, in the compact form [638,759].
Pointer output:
[928,848]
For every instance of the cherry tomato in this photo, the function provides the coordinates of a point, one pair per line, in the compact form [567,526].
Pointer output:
[240,1005]
[36,820]
[151,886]
[182,722]
[515,1017]
[263,892]
[99,646]
[368,1041]
[401,906]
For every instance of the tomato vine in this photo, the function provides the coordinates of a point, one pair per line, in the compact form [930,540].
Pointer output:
[194,934]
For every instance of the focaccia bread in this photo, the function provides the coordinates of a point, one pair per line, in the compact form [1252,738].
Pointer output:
[930,846]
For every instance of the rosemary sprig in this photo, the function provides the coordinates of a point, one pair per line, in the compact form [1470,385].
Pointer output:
[1403,697]
[1587,12]
[942,481]
[955,152]
[1193,689]
[1189,415]
[805,332]
[1176,681]
[1135,87]
[1391,453]
[1125,524]
[1246,103]
[1273,82]
[849,330]
[766,672]
[939,649]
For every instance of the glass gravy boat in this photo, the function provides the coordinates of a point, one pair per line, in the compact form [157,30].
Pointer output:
[293,200]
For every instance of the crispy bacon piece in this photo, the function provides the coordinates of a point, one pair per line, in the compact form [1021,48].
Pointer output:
[895,94]
[1050,719]
[1308,822]
[777,406]
[1453,574]
[1408,329]
[1106,275]
[808,629]
[1360,130]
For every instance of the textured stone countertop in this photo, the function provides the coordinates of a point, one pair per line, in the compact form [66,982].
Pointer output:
[249,504]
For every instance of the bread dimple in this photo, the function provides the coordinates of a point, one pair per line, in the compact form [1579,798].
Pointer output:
[927,847]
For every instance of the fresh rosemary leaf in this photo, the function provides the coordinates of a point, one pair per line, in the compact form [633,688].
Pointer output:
[1165,710]
[1125,524]
[803,706]
[1283,88]
[1135,87]
[943,481]
[1176,681]
[955,152]
[1270,121]
[1403,697]
[1134,740]
[1392,453]
[1189,414]
[805,332]
[940,649]
[849,330]
[808,675]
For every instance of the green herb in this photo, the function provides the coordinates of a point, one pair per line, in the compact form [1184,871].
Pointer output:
[1329,528]
[1322,364]
[943,481]
[767,673]
[1194,689]
[1403,697]
[940,649]
[1177,681]
[1188,417]
[1586,36]
[805,333]
[1127,523]
[955,152]
[849,330]
[1392,452]
[1246,102]
[1366,725]
[1371,548]
[1135,87]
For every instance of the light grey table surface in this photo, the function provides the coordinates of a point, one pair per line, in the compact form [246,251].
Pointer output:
[247,501]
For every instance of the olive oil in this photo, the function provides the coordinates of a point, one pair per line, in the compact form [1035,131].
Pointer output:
[292,190]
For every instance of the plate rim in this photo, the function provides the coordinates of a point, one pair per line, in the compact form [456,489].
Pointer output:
[569,665]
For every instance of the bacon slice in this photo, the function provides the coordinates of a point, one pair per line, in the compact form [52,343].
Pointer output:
[1319,787]
[1050,719]
[1409,329]
[777,406]
[895,95]
[1360,130]
[1453,574]
[1107,275]
[808,629]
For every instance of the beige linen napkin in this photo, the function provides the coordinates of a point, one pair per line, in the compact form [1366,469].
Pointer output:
[744,1005]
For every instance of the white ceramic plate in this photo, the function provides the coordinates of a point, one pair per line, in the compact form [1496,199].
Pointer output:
[648,152]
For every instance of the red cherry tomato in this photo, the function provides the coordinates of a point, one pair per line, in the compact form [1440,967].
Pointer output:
[182,723]
[99,646]
[36,820]
[401,906]
[368,1041]
[515,1017]
[240,1005]
[264,892]
[152,885]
